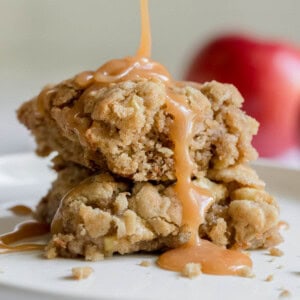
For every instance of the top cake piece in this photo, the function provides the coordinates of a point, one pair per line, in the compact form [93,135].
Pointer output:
[124,127]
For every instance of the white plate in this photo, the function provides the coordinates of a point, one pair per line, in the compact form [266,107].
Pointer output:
[25,178]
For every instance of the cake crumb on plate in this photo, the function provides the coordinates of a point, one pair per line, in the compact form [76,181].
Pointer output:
[82,272]
[245,271]
[269,278]
[284,293]
[275,251]
[191,270]
[145,263]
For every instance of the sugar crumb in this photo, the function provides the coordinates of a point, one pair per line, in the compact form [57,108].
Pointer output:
[145,263]
[275,252]
[191,270]
[284,294]
[269,278]
[82,272]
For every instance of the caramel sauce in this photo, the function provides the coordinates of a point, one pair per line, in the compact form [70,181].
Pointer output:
[194,200]
[22,231]
[128,68]
[85,78]
[213,259]
[41,99]
[145,43]
[21,210]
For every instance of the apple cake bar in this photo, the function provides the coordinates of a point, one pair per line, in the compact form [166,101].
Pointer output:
[115,168]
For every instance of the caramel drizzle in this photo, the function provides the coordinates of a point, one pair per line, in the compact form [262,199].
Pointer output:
[128,68]
[195,200]
[41,103]
[22,231]
[21,210]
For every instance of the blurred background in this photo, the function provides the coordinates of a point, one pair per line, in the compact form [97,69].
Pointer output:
[46,41]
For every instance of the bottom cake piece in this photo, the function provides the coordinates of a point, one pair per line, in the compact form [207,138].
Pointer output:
[97,214]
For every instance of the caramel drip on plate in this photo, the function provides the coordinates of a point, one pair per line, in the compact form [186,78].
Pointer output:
[213,259]
[21,210]
[22,231]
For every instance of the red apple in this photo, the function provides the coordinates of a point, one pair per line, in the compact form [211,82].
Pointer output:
[268,76]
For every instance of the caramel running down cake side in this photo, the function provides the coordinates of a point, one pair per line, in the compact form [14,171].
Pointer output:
[148,163]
